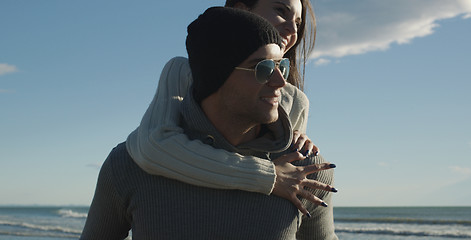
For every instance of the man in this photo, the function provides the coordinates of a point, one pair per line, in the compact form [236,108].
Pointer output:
[238,71]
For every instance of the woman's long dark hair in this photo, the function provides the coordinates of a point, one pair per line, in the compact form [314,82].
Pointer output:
[303,46]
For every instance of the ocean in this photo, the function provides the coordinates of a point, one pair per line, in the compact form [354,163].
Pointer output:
[351,223]
[411,223]
[41,223]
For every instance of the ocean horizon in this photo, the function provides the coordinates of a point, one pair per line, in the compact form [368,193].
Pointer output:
[19,222]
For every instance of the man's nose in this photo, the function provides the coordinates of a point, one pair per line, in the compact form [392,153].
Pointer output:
[276,79]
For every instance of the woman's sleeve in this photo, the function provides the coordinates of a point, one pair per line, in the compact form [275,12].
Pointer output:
[160,147]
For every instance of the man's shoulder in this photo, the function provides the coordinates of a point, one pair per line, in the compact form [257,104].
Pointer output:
[118,155]
[325,176]
[119,163]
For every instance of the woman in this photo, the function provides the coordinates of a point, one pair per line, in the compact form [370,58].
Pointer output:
[193,162]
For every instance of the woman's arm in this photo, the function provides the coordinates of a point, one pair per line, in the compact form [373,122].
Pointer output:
[160,147]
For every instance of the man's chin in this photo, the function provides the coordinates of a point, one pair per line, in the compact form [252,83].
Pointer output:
[271,118]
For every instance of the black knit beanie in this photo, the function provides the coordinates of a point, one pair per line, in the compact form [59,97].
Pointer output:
[221,39]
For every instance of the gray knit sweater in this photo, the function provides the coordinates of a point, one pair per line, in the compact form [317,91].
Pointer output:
[155,207]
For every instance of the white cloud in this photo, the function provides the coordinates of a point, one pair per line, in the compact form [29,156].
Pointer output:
[321,61]
[356,27]
[461,170]
[7,68]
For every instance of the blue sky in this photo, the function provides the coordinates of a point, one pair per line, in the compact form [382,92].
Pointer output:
[388,82]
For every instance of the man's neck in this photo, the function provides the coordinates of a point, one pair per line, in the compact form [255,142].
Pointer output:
[233,129]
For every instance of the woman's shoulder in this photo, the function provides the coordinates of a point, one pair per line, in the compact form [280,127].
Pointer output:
[176,76]
[177,64]
[293,91]
[178,60]
[292,97]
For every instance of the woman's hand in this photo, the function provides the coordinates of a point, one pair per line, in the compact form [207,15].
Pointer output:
[304,145]
[291,180]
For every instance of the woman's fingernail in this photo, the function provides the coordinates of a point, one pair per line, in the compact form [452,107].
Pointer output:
[334,189]
[332,165]
[316,153]
[307,153]
[308,215]
[324,204]
[296,149]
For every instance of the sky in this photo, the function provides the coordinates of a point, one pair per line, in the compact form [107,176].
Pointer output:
[388,82]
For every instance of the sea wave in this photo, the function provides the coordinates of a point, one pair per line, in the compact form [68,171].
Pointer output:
[29,226]
[70,213]
[388,231]
[36,234]
[405,221]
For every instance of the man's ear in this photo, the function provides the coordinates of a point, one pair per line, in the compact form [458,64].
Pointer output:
[241,5]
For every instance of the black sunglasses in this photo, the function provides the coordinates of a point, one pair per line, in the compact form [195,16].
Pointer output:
[265,68]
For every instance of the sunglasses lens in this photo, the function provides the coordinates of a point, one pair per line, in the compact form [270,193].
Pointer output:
[284,67]
[264,70]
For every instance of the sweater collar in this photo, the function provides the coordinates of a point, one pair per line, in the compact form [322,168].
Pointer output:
[275,139]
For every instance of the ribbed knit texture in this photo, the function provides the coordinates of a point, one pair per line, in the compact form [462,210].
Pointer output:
[160,147]
[156,207]
[161,208]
